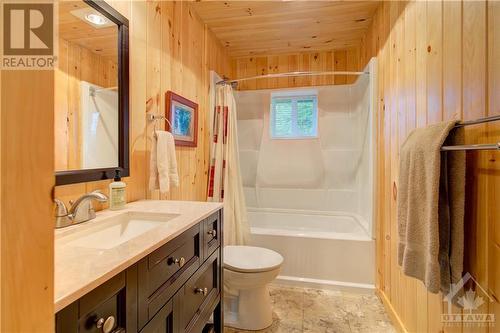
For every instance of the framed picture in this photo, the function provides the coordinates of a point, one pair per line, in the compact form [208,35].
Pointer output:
[183,116]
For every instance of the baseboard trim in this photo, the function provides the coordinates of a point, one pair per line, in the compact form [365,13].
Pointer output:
[324,284]
[396,321]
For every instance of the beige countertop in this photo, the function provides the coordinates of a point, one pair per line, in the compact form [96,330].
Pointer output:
[79,270]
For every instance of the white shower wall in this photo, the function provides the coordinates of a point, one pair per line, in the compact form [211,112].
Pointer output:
[99,127]
[333,172]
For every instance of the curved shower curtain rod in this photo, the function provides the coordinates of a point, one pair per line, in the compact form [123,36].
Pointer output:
[289,74]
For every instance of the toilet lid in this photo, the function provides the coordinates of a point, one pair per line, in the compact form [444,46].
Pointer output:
[251,259]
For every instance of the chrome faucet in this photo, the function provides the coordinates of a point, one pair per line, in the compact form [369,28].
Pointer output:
[81,210]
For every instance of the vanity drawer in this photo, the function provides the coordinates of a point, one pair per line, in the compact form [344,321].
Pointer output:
[164,271]
[211,234]
[107,303]
[162,322]
[194,301]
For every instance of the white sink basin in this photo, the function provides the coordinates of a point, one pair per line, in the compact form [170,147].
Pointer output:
[117,230]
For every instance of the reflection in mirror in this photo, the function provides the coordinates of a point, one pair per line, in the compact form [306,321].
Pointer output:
[86,114]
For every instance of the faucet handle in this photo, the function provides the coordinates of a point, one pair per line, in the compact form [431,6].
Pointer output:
[60,209]
[99,196]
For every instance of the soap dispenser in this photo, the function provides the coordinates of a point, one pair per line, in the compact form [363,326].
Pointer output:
[117,195]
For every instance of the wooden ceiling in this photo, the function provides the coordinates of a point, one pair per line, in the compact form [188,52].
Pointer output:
[273,27]
[103,42]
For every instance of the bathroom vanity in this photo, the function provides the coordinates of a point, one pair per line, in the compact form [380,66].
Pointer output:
[153,267]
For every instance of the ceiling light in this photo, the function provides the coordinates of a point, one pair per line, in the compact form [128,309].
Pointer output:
[92,17]
[96,19]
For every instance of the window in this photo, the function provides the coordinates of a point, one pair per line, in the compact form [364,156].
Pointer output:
[294,115]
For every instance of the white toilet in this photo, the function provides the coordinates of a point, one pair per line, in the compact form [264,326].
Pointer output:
[247,272]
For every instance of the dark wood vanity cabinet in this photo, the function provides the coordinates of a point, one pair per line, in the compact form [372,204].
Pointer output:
[113,303]
[175,289]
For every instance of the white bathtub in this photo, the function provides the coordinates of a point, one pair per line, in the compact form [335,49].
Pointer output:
[321,249]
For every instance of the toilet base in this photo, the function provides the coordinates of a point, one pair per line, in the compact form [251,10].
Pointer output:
[254,310]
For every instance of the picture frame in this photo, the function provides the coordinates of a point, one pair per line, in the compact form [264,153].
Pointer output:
[182,115]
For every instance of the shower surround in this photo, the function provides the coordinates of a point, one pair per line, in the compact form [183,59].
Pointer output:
[312,199]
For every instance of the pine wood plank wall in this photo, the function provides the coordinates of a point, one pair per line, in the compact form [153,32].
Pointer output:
[438,60]
[338,60]
[170,49]
[27,234]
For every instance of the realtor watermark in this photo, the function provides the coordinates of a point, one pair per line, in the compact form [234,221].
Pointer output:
[469,300]
[29,35]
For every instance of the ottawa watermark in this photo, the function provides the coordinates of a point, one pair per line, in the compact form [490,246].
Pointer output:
[29,35]
[468,296]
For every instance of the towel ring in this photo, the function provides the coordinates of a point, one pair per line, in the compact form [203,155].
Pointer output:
[155,117]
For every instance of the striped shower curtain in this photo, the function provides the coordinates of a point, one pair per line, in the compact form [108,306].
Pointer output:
[224,178]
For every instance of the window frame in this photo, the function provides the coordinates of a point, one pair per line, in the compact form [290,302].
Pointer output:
[294,96]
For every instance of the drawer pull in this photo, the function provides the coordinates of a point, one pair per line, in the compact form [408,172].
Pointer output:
[106,325]
[212,232]
[179,261]
[203,291]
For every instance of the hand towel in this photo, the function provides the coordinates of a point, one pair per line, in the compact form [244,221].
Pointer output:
[153,168]
[451,212]
[430,205]
[163,163]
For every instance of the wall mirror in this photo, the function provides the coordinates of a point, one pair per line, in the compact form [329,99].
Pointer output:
[91,93]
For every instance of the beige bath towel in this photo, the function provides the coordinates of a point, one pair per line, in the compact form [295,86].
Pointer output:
[163,163]
[431,206]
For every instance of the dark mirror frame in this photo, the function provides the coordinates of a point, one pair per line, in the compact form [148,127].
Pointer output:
[87,175]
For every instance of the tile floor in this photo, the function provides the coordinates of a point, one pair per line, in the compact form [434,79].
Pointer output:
[297,310]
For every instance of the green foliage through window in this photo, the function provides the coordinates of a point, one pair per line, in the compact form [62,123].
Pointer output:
[294,117]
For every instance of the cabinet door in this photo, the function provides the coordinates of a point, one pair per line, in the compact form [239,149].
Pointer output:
[111,306]
[162,322]
[211,229]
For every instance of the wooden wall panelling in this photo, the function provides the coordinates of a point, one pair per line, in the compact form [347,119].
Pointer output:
[282,68]
[379,158]
[443,73]
[186,72]
[1,223]
[341,60]
[293,66]
[1,259]
[352,63]
[317,62]
[61,108]
[452,79]
[27,234]
[138,181]
[421,63]
[261,69]
[340,57]
[452,60]
[392,109]
[474,50]
[273,68]
[434,62]
[153,69]
[494,156]
[305,63]
[385,56]
[74,74]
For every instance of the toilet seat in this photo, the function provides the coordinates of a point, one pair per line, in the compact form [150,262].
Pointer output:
[251,259]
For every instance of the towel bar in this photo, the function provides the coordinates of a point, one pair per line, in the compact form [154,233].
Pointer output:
[494,146]
[473,147]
